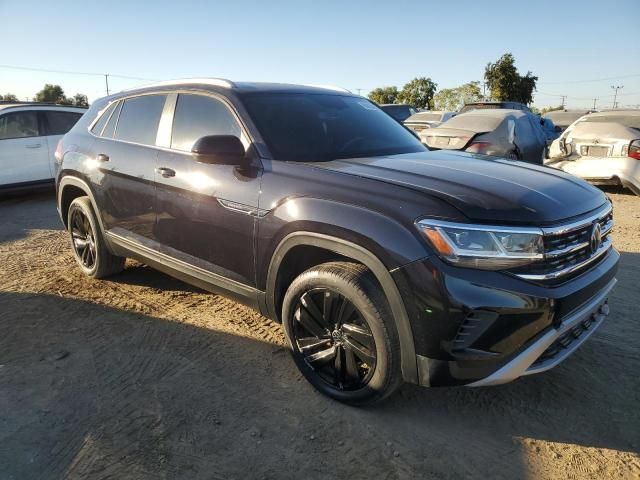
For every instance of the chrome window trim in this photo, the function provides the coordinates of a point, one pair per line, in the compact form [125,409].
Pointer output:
[245,137]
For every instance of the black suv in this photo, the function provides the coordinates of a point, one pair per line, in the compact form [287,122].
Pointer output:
[385,262]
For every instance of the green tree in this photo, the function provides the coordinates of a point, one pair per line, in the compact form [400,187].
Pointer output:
[450,99]
[384,95]
[50,94]
[80,100]
[505,83]
[418,92]
[9,97]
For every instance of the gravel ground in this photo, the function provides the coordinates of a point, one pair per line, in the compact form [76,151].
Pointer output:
[142,376]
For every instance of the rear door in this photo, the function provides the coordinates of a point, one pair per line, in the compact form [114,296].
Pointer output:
[126,153]
[23,149]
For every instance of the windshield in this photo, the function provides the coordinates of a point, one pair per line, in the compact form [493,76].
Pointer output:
[632,121]
[323,127]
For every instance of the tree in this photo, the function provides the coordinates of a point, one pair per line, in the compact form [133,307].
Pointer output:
[9,97]
[551,109]
[418,92]
[384,95]
[505,83]
[80,100]
[450,99]
[50,94]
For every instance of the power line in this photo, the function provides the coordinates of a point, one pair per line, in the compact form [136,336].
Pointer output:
[67,72]
[591,80]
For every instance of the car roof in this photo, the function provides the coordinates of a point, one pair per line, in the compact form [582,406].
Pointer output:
[40,106]
[632,112]
[243,87]
[396,105]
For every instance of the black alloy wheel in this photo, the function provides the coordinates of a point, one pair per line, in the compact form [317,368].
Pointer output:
[334,339]
[83,238]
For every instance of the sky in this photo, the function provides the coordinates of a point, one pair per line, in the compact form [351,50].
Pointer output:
[576,48]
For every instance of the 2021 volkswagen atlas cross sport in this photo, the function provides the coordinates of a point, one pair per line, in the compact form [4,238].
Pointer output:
[384,261]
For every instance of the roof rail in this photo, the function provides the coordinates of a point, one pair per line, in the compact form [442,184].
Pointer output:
[218,82]
[329,87]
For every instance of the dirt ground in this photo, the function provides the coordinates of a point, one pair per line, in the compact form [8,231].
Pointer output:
[144,377]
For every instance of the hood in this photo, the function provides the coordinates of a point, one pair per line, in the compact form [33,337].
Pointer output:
[485,189]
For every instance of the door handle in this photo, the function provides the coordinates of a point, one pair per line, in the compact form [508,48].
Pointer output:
[166,172]
[33,145]
[102,157]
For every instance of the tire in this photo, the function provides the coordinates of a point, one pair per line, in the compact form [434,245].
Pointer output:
[87,241]
[339,364]
[513,155]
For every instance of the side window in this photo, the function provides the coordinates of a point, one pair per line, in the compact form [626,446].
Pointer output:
[139,119]
[110,128]
[197,116]
[19,125]
[102,121]
[59,123]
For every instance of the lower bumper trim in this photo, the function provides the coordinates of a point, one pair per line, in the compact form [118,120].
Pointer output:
[595,310]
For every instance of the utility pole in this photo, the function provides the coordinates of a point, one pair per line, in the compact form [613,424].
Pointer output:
[594,103]
[563,97]
[359,90]
[106,82]
[615,95]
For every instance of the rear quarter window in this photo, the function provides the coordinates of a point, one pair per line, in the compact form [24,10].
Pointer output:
[59,123]
[102,121]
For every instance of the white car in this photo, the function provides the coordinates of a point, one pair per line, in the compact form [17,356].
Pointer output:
[602,148]
[29,134]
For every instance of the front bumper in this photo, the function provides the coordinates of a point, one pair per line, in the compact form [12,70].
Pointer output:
[473,327]
[556,344]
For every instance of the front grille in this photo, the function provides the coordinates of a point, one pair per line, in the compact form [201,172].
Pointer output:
[569,251]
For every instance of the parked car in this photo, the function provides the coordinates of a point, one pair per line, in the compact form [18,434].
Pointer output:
[563,118]
[384,261]
[423,120]
[603,148]
[399,111]
[511,134]
[494,106]
[29,133]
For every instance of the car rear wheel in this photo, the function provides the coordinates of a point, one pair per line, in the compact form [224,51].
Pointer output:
[88,244]
[342,334]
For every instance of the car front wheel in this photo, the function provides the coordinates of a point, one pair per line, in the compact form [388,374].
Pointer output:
[342,334]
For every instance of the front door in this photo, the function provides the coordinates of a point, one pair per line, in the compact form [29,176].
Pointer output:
[206,213]
[23,150]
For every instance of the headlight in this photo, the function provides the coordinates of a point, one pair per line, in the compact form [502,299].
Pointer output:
[485,247]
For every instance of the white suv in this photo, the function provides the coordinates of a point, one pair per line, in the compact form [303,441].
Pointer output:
[29,133]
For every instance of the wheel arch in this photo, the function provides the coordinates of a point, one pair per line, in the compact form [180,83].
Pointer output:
[70,188]
[348,251]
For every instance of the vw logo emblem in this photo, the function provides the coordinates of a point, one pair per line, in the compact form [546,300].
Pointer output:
[596,237]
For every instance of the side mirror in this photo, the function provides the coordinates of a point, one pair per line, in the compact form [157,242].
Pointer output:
[219,150]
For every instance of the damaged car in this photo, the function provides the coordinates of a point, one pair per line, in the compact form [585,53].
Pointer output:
[602,148]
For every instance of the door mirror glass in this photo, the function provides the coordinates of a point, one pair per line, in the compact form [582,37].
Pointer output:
[219,149]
